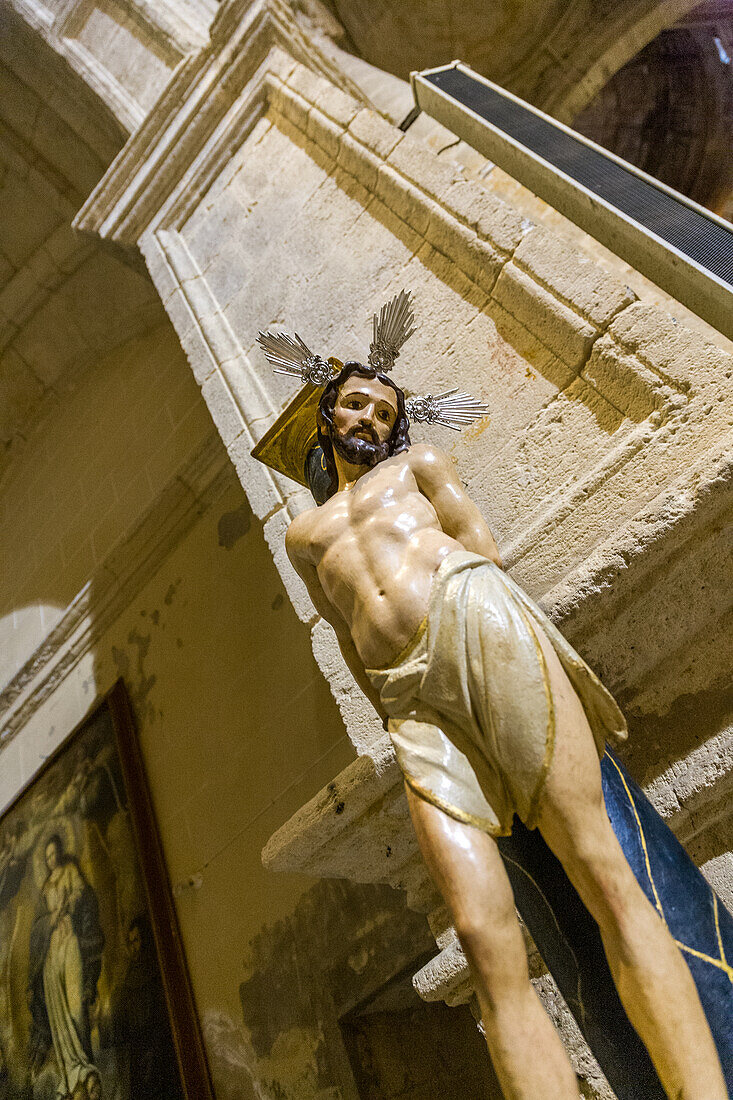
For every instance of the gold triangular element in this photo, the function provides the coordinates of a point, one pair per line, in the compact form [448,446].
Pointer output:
[285,445]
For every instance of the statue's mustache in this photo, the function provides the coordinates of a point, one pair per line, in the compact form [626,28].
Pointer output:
[362,429]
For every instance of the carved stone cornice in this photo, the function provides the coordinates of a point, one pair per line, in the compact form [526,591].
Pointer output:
[178,139]
[170,29]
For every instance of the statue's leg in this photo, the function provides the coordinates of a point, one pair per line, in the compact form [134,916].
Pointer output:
[654,984]
[467,869]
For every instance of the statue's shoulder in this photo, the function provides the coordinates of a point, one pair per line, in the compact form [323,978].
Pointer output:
[426,457]
[300,532]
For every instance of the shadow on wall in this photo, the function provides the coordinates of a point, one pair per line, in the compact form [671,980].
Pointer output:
[329,1007]
[189,609]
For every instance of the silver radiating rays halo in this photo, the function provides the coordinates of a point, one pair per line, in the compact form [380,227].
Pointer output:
[454,409]
[391,327]
[290,355]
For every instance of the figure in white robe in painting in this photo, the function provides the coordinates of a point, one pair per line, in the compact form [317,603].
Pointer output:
[65,962]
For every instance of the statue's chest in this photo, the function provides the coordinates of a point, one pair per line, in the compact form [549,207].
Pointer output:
[374,499]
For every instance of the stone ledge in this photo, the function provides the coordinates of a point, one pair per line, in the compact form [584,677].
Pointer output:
[682,358]
[557,325]
[572,277]
[623,379]
[358,790]
[480,209]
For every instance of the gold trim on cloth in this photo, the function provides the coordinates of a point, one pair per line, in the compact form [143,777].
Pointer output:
[482,823]
[406,650]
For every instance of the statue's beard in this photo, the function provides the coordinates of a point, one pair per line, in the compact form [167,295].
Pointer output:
[360,452]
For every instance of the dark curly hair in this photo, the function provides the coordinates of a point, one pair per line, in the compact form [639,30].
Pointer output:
[320,465]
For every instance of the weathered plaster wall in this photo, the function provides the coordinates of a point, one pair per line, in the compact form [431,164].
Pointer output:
[234,738]
[87,473]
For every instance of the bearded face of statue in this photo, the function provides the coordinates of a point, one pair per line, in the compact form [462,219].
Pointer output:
[364,416]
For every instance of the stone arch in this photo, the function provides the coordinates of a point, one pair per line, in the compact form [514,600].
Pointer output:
[669,111]
[557,55]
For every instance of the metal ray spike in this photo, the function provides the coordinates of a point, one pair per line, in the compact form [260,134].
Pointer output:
[390,329]
[454,409]
[290,355]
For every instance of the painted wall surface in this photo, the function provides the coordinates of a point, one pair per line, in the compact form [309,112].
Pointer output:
[237,727]
[87,473]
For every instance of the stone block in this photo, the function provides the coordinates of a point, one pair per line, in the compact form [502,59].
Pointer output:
[180,313]
[224,410]
[275,528]
[557,326]
[291,105]
[402,199]
[358,162]
[250,396]
[308,84]
[221,339]
[492,219]
[572,276]
[475,257]
[337,105]
[324,132]
[280,63]
[685,357]
[299,501]
[158,266]
[202,362]
[362,723]
[625,381]
[435,177]
[374,132]
[350,185]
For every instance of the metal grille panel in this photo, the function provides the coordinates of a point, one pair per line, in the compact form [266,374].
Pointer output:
[703,240]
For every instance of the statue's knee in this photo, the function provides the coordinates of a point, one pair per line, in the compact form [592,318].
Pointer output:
[492,941]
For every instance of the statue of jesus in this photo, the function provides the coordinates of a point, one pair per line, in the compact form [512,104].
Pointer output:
[492,713]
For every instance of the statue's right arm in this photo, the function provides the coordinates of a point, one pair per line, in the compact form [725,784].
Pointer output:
[296,545]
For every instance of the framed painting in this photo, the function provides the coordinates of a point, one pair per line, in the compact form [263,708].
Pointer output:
[95,1001]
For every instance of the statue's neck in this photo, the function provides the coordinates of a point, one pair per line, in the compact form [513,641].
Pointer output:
[348,474]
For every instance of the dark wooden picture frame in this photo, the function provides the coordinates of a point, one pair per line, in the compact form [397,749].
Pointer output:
[83,776]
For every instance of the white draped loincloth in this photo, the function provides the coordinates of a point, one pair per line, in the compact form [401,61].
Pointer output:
[470,706]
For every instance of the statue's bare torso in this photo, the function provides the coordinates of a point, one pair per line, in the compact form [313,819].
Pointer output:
[375,546]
